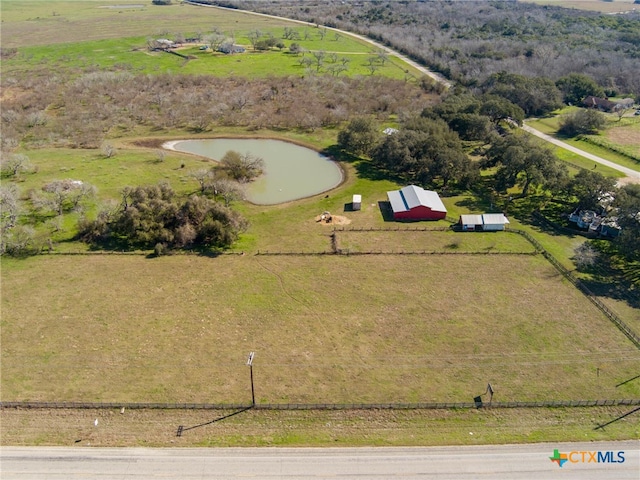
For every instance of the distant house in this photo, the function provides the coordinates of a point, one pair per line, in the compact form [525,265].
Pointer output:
[609,227]
[593,223]
[165,43]
[598,103]
[390,131]
[230,48]
[486,222]
[415,203]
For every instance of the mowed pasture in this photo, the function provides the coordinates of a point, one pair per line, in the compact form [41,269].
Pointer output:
[42,22]
[111,39]
[325,329]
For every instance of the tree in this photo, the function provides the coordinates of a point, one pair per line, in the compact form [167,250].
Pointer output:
[215,40]
[499,109]
[590,188]
[20,241]
[522,162]
[319,55]
[153,217]
[584,121]
[204,177]
[424,151]
[627,203]
[295,48]
[242,168]
[471,126]
[576,86]
[360,136]
[108,150]
[9,210]
[228,190]
[535,95]
[12,164]
[623,107]
[254,36]
[585,255]
[66,195]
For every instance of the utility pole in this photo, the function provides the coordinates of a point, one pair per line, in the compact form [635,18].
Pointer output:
[250,364]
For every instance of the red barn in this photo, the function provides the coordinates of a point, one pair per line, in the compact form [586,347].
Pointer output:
[415,203]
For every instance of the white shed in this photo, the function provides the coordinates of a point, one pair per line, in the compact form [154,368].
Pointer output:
[487,222]
[470,223]
[356,202]
[492,222]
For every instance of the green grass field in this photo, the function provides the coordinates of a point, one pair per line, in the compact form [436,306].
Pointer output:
[325,328]
[388,328]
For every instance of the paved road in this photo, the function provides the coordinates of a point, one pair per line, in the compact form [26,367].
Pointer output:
[632,175]
[500,462]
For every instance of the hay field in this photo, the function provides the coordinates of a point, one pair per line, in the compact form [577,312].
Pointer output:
[614,6]
[325,329]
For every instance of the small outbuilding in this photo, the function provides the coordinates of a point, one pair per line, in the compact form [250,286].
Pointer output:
[470,223]
[415,203]
[492,222]
[486,222]
[356,202]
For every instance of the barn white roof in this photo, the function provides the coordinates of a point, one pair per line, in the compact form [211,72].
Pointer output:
[413,196]
[471,219]
[494,219]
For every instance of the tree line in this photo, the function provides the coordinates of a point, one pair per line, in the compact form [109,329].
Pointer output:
[82,111]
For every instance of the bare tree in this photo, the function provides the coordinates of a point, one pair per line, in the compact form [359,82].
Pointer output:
[64,195]
[204,177]
[319,55]
[9,206]
[11,165]
[585,255]
[254,36]
[215,40]
[623,107]
[227,189]
[108,150]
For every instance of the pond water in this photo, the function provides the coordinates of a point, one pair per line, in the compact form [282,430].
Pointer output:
[291,171]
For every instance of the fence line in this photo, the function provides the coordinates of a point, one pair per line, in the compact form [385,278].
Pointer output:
[617,321]
[319,406]
[348,252]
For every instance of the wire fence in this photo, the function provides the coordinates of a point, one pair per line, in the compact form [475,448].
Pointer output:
[320,406]
[617,321]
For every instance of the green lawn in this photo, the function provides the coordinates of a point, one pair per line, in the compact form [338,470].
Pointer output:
[328,329]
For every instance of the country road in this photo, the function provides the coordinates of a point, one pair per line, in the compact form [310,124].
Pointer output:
[497,462]
[633,176]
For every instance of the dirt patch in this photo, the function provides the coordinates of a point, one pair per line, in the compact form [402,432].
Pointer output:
[150,142]
[625,135]
[328,219]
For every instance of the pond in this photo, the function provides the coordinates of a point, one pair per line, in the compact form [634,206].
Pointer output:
[291,171]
